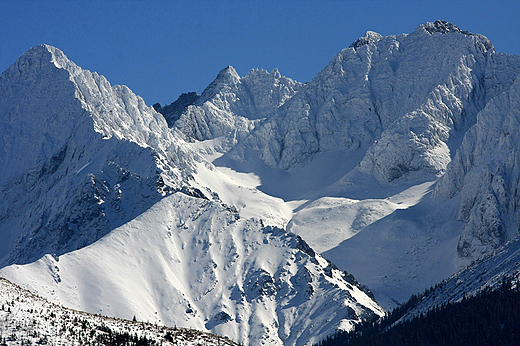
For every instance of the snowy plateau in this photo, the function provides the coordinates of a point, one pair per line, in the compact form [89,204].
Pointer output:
[267,211]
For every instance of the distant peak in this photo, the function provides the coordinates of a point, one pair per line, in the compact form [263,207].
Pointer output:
[369,38]
[443,27]
[226,77]
[228,74]
[43,49]
[40,48]
[45,53]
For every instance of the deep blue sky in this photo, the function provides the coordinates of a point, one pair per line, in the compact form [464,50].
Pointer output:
[162,48]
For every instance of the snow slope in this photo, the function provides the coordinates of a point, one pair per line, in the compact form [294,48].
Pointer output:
[328,221]
[26,319]
[194,263]
[487,273]
[404,252]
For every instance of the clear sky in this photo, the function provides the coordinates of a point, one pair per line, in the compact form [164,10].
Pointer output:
[163,48]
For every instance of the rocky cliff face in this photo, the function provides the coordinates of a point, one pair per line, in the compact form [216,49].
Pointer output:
[405,100]
[173,111]
[484,174]
[80,156]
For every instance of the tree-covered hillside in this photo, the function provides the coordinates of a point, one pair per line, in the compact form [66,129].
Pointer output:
[490,318]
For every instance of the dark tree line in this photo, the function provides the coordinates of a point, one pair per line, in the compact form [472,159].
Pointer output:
[490,318]
[111,338]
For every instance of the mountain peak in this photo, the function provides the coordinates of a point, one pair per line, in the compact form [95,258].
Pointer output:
[228,75]
[443,27]
[369,38]
[40,49]
[45,53]
[35,58]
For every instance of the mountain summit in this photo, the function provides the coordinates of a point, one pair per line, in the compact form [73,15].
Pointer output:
[369,38]
[80,156]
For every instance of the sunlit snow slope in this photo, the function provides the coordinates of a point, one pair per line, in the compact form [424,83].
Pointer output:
[194,263]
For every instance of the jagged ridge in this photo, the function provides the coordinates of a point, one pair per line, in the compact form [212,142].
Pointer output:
[89,150]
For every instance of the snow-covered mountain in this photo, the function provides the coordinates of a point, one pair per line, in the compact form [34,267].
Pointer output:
[79,157]
[397,163]
[105,209]
[356,150]
[404,101]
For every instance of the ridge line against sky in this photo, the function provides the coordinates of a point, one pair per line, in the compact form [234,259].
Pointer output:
[163,48]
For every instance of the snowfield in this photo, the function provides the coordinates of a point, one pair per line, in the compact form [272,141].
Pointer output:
[193,263]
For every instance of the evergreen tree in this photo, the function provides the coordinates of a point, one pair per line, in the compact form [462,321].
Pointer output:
[490,318]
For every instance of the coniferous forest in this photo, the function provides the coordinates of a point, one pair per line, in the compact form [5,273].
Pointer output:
[490,318]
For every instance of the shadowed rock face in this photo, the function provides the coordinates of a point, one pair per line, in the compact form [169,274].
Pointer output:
[173,111]
[484,174]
